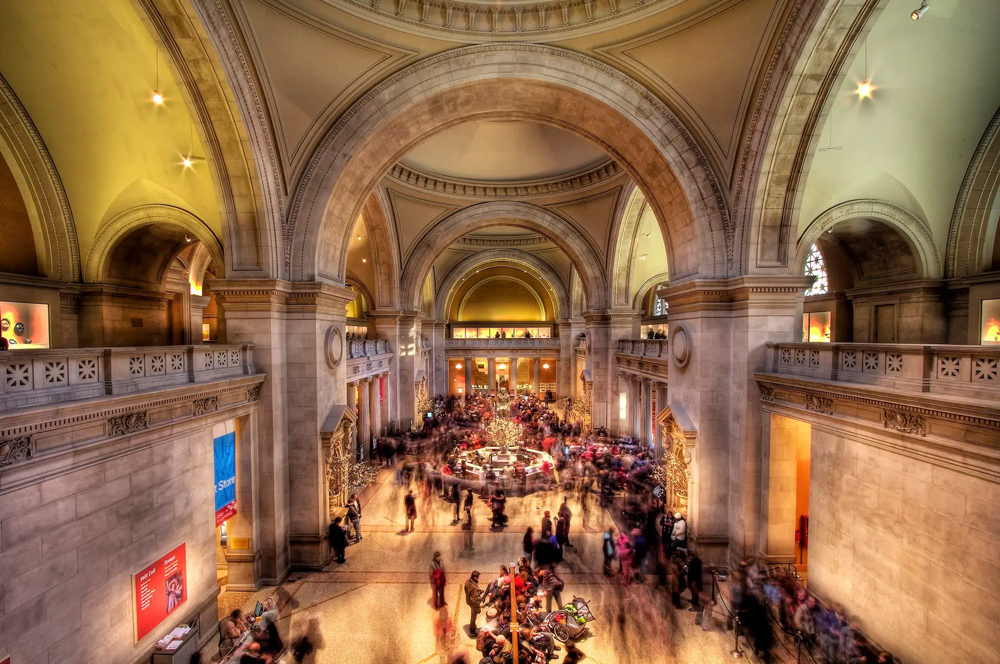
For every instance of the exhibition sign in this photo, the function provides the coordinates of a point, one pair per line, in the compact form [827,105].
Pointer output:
[158,590]
[225,478]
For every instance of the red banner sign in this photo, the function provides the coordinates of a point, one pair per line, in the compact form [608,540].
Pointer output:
[158,590]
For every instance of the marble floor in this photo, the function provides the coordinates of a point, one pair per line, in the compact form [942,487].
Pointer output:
[376,608]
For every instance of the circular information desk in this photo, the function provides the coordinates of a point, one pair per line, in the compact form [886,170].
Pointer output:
[505,466]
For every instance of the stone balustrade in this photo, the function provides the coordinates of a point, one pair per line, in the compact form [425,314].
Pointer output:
[644,347]
[971,371]
[488,344]
[361,348]
[37,377]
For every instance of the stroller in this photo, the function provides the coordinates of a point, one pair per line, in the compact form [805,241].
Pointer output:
[570,622]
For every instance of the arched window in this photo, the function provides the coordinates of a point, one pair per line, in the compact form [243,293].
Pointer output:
[659,304]
[817,268]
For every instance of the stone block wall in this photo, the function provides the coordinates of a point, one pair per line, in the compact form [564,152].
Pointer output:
[910,548]
[70,543]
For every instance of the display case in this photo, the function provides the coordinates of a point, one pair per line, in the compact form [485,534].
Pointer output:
[816,326]
[989,334]
[24,324]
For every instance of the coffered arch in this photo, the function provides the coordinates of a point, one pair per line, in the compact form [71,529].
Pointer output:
[535,82]
[523,259]
[385,249]
[585,258]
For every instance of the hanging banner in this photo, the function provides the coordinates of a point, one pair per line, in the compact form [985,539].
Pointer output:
[225,478]
[158,590]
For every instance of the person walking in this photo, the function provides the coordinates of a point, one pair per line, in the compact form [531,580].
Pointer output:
[546,525]
[528,546]
[561,534]
[438,581]
[608,548]
[696,585]
[474,598]
[470,500]
[354,515]
[469,527]
[338,539]
[411,510]
[553,587]
[625,555]
[456,499]
[566,514]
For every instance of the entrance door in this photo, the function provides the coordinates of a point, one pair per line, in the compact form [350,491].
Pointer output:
[885,324]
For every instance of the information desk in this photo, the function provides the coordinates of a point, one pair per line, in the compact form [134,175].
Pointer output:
[180,654]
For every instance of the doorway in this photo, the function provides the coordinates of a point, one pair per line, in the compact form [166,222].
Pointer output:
[789,468]
[885,323]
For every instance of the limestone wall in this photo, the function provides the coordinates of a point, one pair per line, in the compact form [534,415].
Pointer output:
[909,548]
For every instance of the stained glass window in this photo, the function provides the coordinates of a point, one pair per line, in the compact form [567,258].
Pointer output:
[817,268]
[659,304]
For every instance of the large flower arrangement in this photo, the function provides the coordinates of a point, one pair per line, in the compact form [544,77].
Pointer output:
[504,432]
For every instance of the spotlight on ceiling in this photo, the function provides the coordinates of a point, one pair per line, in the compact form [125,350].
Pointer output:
[918,13]
[157,97]
[359,237]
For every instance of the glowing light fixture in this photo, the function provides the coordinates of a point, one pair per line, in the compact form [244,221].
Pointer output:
[917,13]
[359,237]
[187,237]
[866,88]
[501,366]
[364,260]
[545,366]
[157,97]
[458,366]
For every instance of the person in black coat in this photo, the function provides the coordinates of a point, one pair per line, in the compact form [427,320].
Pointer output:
[338,539]
[695,582]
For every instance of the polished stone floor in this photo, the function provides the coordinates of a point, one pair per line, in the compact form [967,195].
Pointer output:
[376,608]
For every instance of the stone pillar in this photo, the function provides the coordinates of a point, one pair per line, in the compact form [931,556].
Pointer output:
[661,401]
[567,372]
[384,409]
[604,329]
[375,408]
[468,376]
[491,374]
[402,330]
[538,375]
[352,401]
[364,419]
[513,375]
[244,563]
[439,361]
[198,304]
[646,435]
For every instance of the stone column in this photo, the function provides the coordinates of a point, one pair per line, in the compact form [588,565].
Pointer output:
[567,372]
[364,418]
[402,330]
[491,374]
[538,375]
[383,416]
[604,329]
[647,412]
[513,375]
[468,376]
[352,400]
[439,361]
[375,408]
[198,304]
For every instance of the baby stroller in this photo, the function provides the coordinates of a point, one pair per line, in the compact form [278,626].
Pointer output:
[570,622]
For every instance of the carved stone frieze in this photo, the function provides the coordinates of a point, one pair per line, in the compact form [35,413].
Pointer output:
[253,394]
[206,405]
[767,393]
[120,425]
[819,404]
[903,421]
[17,449]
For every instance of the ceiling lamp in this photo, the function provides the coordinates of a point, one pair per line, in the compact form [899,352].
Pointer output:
[359,237]
[917,13]
[364,260]
[458,366]
[157,95]
[866,88]
[545,366]
[189,159]
[501,366]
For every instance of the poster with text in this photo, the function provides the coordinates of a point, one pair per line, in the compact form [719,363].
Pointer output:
[225,478]
[158,590]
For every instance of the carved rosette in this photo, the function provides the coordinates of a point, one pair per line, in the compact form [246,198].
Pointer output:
[819,404]
[903,422]
[206,405]
[120,425]
[17,449]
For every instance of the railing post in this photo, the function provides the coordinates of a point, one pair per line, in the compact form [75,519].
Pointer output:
[736,652]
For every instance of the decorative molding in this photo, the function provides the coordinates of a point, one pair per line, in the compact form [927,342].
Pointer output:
[206,405]
[253,394]
[819,404]
[13,450]
[333,347]
[120,425]
[533,241]
[767,393]
[587,177]
[680,345]
[903,421]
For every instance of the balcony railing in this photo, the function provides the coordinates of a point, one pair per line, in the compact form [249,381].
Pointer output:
[527,344]
[644,347]
[359,348]
[971,371]
[36,377]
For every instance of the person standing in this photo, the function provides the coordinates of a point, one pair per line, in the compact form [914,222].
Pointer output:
[470,500]
[553,587]
[528,546]
[354,515]
[608,548]
[456,498]
[678,535]
[561,534]
[696,585]
[566,514]
[546,525]
[338,539]
[625,553]
[474,598]
[469,527]
[438,581]
[411,510]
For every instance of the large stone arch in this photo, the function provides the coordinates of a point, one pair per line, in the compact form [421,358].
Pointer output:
[622,250]
[118,228]
[384,244]
[640,293]
[534,82]
[537,267]
[970,250]
[805,66]
[908,225]
[523,215]
[21,146]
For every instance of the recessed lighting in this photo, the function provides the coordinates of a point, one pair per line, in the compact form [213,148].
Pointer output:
[359,237]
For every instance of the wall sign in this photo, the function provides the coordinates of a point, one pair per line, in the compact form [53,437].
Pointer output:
[158,590]
[225,478]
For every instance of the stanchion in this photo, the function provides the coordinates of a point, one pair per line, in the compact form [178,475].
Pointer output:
[798,648]
[737,653]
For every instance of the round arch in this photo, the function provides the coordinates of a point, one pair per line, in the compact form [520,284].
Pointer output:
[905,223]
[118,228]
[640,293]
[521,282]
[377,215]
[41,189]
[623,238]
[583,255]
[534,265]
[527,81]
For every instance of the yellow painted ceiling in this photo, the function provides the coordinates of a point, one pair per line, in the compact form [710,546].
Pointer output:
[85,72]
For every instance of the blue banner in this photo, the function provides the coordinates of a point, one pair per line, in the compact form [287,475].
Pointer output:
[225,478]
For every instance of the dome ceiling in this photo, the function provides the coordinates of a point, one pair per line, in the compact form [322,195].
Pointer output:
[504,151]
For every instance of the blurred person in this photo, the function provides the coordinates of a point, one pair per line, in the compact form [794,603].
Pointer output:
[456,498]
[608,549]
[470,501]
[640,549]
[566,514]
[623,548]
[473,598]
[562,534]
[674,581]
[546,525]
[354,515]
[804,620]
[254,656]
[696,583]
[553,587]
[678,535]
[230,630]
[469,528]
[443,630]
[438,580]
[411,510]
[528,544]
[573,654]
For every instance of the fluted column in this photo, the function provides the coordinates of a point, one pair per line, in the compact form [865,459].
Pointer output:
[491,374]
[375,408]
[647,411]
[538,376]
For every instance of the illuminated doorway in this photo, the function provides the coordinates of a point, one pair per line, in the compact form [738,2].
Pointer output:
[789,452]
